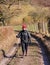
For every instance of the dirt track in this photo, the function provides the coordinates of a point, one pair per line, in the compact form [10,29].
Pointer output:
[35,56]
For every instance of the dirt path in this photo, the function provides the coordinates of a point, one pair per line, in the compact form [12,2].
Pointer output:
[34,56]
[25,60]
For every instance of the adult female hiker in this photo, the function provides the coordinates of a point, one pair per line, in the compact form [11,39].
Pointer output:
[25,37]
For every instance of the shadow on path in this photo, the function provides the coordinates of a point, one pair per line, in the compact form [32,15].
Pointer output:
[43,49]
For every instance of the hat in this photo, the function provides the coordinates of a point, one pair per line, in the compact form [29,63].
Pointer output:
[24,26]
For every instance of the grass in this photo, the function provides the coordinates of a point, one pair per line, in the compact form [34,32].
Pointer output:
[30,27]
[7,38]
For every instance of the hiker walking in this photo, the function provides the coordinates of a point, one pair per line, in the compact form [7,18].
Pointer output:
[25,37]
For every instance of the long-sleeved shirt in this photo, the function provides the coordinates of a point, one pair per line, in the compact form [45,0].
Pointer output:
[25,36]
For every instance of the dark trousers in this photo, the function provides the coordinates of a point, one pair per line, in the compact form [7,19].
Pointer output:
[24,47]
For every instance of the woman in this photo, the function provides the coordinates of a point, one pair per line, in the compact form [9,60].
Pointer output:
[25,37]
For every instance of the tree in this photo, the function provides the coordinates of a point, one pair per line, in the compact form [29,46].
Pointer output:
[7,14]
[34,16]
[1,18]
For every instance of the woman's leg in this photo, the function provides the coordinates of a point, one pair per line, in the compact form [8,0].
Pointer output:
[26,48]
[23,48]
